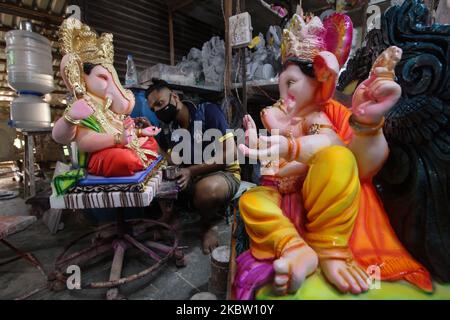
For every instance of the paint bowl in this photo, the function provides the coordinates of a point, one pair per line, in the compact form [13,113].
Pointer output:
[170,173]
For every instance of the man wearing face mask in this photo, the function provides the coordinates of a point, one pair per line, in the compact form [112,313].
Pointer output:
[211,186]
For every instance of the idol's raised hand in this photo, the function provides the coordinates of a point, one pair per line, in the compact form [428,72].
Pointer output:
[378,94]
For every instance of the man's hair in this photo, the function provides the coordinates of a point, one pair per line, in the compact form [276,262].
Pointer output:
[157,85]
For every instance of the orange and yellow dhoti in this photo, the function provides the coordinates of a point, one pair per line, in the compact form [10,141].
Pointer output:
[331,194]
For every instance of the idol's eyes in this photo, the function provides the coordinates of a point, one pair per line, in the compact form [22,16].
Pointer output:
[291,83]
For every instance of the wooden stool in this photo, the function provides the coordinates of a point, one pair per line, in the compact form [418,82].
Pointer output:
[117,237]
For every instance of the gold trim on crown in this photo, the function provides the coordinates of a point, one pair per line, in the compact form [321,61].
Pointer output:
[303,38]
[78,39]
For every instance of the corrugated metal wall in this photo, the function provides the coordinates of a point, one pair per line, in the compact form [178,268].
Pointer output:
[141,28]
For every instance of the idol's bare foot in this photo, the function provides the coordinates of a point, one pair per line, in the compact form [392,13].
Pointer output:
[346,277]
[210,240]
[292,269]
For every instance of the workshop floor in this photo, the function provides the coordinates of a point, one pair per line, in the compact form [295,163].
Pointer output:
[169,283]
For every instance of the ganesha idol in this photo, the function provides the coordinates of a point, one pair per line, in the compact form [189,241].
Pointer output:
[317,210]
[97,118]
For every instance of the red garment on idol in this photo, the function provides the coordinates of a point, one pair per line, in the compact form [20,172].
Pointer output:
[119,161]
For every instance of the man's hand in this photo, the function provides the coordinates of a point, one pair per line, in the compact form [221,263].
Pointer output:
[183,178]
[142,123]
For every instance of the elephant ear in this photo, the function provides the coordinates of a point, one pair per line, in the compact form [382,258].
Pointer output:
[72,74]
[339,36]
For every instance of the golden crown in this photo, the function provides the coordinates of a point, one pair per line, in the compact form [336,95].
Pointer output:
[78,39]
[303,38]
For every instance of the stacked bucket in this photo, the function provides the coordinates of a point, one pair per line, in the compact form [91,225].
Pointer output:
[30,74]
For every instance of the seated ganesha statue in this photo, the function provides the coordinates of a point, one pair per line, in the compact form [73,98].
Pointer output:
[97,118]
[317,208]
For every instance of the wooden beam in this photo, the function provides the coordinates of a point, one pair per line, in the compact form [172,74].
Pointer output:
[15,10]
[175,5]
[228,12]
[40,26]
[244,69]
[171,39]
[5,28]
[364,24]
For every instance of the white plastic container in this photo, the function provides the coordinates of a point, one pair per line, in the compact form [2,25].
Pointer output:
[29,62]
[30,73]
[30,112]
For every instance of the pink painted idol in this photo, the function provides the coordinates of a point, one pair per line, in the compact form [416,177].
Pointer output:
[317,208]
[97,118]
